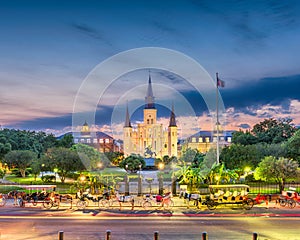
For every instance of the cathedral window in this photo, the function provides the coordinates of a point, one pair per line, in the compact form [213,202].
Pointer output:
[151,121]
[166,145]
[147,121]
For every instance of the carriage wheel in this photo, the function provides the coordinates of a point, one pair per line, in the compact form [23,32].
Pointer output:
[147,205]
[282,202]
[104,203]
[47,204]
[211,204]
[248,204]
[21,202]
[2,202]
[291,203]
[81,205]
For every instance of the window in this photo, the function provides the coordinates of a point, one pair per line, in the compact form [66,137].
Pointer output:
[95,140]
[88,140]
[215,139]
[193,139]
[76,140]
[82,140]
[101,140]
[200,139]
[229,139]
[207,139]
[107,140]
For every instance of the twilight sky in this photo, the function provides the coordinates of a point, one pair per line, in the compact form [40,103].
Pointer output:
[49,48]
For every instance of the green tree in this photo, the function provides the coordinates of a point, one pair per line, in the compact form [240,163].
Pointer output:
[293,146]
[36,167]
[115,157]
[192,156]
[271,168]
[64,160]
[243,138]
[90,157]
[273,131]
[240,156]
[132,162]
[20,159]
[67,141]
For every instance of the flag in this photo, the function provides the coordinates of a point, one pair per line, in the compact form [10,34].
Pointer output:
[220,83]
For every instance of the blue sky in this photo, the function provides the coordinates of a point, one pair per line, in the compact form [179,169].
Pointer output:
[49,47]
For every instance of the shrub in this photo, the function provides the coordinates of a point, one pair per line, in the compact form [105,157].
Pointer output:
[48,178]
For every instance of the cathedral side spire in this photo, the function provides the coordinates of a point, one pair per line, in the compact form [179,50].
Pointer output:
[172,118]
[127,120]
[149,99]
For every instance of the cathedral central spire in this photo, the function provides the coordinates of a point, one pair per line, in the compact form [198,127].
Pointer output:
[149,99]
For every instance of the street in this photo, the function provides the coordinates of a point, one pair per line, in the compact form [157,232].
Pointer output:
[176,228]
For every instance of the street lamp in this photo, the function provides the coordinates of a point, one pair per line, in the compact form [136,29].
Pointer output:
[161,166]
[55,171]
[126,182]
[140,181]
[43,165]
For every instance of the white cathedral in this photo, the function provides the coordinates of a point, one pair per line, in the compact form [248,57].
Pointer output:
[150,139]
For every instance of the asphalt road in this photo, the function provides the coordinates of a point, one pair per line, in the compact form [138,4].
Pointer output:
[223,223]
[133,228]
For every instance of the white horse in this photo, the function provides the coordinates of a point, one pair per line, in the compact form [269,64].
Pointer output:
[122,199]
[195,197]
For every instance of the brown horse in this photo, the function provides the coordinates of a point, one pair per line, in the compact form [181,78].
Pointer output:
[59,198]
[18,196]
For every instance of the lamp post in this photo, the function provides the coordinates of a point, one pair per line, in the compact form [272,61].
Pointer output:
[161,179]
[55,172]
[173,180]
[140,181]
[43,165]
[126,181]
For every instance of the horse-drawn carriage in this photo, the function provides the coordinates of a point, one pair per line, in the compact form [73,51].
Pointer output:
[289,198]
[235,194]
[39,194]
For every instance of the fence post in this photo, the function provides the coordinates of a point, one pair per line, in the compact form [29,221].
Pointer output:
[108,235]
[204,236]
[156,235]
[255,236]
[61,235]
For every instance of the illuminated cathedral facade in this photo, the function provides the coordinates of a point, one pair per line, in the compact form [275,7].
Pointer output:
[150,139]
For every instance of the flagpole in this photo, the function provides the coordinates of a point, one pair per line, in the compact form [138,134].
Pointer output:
[217,124]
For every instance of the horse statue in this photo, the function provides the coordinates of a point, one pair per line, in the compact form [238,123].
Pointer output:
[148,152]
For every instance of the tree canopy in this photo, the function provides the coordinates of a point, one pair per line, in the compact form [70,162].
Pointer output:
[63,160]
[271,168]
[20,159]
